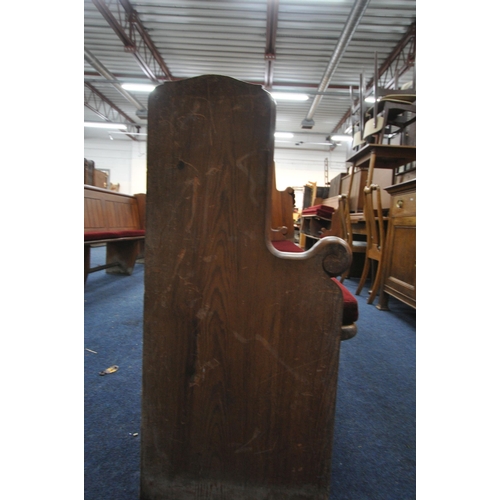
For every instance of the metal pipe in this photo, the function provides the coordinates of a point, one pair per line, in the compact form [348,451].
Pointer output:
[353,20]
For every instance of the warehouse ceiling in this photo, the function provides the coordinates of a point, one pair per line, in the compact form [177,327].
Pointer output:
[319,48]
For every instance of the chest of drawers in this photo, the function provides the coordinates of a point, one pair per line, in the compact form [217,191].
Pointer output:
[399,261]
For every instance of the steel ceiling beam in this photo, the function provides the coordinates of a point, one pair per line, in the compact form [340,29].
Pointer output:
[270,53]
[292,86]
[105,109]
[310,89]
[96,64]
[135,38]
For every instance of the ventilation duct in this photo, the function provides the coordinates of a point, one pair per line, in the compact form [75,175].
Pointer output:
[353,20]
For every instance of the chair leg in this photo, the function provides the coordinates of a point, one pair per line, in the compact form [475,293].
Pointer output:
[376,284]
[86,262]
[364,275]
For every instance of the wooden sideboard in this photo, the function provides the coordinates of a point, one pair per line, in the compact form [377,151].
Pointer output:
[399,261]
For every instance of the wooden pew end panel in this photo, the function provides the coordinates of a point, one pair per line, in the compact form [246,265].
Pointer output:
[241,345]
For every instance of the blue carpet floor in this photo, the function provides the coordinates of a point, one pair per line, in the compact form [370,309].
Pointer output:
[374,448]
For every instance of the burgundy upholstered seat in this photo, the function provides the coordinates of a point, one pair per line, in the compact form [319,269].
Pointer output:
[104,235]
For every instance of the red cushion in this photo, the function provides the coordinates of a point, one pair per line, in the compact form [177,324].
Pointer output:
[106,235]
[320,210]
[350,313]
[286,246]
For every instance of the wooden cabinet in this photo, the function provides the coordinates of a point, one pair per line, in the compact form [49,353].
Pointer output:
[399,261]
[382,177]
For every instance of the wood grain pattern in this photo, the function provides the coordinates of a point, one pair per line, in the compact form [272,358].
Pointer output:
[282,203]
[399,268]
[241,343]
[108,210]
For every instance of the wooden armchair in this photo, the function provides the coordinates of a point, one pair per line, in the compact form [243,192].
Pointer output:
[375,235]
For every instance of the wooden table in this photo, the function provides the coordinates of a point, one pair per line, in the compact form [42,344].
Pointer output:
[374,156]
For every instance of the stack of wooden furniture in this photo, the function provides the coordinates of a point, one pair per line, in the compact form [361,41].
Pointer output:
[241,341]
[374,166]
[94,176]
[366,163]
[393,111]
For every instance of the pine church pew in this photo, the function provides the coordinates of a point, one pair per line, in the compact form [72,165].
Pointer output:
[241,341]
[282,238]
[117,221]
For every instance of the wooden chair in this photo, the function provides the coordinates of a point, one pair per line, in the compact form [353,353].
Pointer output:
[375,236]
[374,130]
[392,114]
[356,246]
[341,226]
[358,124]
[358,142]
[359,110]
[393,108]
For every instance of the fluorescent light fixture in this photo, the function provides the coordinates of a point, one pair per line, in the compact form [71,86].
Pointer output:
[288,96]
[106,125]
[138,87]
[283,135]
[340,138]
[370,99]
[128,133]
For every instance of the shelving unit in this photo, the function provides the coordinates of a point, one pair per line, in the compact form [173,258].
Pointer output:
[311,229]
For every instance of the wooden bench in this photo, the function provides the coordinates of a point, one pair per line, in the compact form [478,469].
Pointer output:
[241,341]
[117,221]
[283,239]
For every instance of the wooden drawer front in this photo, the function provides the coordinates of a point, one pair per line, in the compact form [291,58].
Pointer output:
[401,278]
[404,204]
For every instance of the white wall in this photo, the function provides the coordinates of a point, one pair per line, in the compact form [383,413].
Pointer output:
[295,167]
[125,159]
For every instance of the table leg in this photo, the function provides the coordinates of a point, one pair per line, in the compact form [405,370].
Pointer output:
[371,168]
